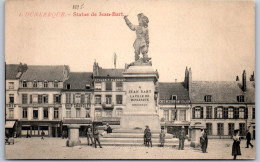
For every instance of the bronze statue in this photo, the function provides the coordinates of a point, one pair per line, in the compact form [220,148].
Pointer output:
[141,43]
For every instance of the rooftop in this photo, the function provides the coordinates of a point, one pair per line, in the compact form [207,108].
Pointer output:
[79,80]
[167,89]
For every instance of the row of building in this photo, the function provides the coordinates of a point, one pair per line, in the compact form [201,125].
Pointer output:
[48,98]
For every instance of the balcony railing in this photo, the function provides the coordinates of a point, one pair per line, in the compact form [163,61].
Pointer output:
[10,105]
[107,106]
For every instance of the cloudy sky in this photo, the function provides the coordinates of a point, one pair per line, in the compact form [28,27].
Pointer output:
[215,38]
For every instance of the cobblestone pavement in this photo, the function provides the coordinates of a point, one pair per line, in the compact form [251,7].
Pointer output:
[55,148]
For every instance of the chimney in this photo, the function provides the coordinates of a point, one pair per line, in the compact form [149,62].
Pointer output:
[244,81]
[95,68]
[186,78]
[237,78]
[252,78]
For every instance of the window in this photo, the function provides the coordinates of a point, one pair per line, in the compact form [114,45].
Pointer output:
[119,112]
[68,113]
[182,116]
[174,114]
[77,112]
[108,86]
[240,98]
[34,98]
[57,98]
[11,113]
[45,98]
[82,99]
[230,113]
[87,99]
[45,84]
[87,86]
[11,98]
[108,99]
[39,99]
[119,86]
[56,113]
[11,85]
[209,112]
[166,115]
[197,113]
[68,86]
[24,84]
[97,113]
[241,113]
[209,128]
[87,113]
[173,97]
[231,127]
[35,113]
[68,98]
[98,99]
[97,85]
[45,113]
[56,84]
[35,84]
[253,113]
[77,98]
[108,113]
[207,98]
[119,99]
[220,129]
[242,129]
[24,112]
[24,98]
[219,113]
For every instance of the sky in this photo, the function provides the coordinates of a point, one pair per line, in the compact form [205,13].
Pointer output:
[216,39]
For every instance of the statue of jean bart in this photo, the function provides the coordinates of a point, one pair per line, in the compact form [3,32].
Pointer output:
[141,43]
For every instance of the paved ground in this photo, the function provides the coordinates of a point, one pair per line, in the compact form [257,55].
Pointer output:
[55,148]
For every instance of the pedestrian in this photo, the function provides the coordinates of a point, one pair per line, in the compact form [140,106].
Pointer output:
[162,138]
[42,134]
[204,141]
[182,136]
[96,137]
[145,131]
[108,129]
[236,145]
[89,136]
[148,138]
[248,139]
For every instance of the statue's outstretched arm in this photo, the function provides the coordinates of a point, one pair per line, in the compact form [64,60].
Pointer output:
[129,24]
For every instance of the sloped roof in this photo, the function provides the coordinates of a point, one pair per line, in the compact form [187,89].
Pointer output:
[167,89]
[78,80]
[11,71]
[41,73]
[111,72]
[221,91]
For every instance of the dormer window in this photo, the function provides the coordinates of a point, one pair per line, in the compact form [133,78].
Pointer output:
[173,97]
[45,84]
[34,84]
[68,86]
[24,84]
[207,98]
[56,84]
[87,86]
[240,98]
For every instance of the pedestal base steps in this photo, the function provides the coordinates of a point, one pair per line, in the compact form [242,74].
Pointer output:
[135,137]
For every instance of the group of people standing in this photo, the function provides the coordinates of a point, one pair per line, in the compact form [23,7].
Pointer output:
[95,135]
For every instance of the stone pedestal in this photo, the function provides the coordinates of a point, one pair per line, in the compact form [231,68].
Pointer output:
[73,136]
[195,132]
[140,107]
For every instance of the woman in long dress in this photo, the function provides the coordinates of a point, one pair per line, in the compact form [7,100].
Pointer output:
[236,144]
[162,137]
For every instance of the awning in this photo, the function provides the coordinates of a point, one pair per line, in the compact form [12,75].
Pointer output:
[9,124]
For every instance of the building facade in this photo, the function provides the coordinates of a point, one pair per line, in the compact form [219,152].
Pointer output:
[40,100]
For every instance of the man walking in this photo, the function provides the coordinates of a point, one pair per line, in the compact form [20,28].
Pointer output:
[204,141]
[145,131]
[182,136]
[42,134]
[248,139]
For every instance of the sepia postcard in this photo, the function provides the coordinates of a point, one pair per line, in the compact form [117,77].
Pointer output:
[140,79]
